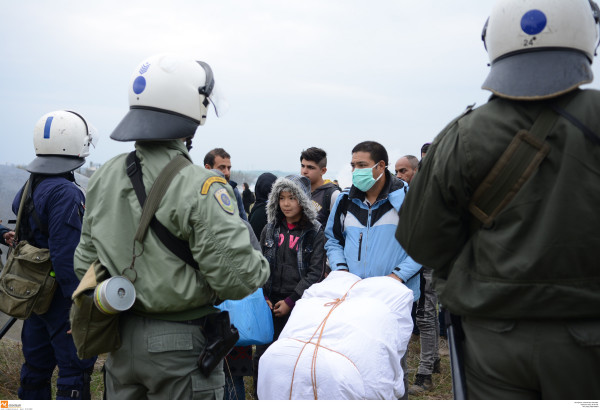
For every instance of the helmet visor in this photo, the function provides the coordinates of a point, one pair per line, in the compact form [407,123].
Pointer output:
[93,135]
[90,139]
[218,101]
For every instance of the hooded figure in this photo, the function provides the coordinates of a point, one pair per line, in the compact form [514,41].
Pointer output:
[258,214]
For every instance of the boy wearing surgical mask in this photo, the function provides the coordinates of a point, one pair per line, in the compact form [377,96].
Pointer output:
[361,228]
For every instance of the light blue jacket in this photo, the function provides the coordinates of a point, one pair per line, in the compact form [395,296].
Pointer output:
[362,238]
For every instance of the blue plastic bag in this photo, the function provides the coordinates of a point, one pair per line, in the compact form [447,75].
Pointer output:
[252,318]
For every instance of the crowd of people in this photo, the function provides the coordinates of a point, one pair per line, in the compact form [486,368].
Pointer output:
[496,223]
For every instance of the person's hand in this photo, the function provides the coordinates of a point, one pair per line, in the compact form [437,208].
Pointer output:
[394,276]
[9,237]
[281,309]
[269,304]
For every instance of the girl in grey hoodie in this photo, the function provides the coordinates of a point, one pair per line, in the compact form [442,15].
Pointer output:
[293,243]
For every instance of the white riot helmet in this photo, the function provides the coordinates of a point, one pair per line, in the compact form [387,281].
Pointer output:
[540,49]
[61,140]
[168,99]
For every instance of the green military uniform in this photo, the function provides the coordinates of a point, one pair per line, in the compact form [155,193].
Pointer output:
[528,285]
[160,350]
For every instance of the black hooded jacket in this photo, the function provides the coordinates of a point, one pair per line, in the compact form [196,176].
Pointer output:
[296,254]
[258,215]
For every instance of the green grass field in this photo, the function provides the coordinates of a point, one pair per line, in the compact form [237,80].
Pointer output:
[11,359]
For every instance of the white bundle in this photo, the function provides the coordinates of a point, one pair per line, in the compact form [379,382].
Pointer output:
[360,330]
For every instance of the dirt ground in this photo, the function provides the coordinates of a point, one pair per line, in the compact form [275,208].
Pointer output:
[15,331]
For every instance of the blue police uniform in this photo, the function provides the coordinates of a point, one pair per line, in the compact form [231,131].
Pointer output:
[59,205]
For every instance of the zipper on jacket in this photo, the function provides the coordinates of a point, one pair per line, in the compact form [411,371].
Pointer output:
[359,245]
[368,228]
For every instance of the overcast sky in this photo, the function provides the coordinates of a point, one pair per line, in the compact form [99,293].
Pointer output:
[326,73]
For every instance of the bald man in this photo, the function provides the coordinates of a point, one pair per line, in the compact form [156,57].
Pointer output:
[406,168]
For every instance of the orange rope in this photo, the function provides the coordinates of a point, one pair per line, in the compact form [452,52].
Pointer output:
[327,348]
[313,371]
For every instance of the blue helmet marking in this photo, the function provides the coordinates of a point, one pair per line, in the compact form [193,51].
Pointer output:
[47,127]
[139,85]
[533,22]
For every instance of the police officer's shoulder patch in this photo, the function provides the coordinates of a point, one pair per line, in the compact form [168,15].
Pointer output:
[210,181]
[224,201]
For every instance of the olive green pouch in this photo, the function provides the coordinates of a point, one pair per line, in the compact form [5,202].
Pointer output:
[26,285]
[94,332]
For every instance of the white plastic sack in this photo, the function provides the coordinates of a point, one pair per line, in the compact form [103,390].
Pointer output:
[359,351]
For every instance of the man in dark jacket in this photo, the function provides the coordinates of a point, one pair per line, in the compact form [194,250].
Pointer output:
[523,275]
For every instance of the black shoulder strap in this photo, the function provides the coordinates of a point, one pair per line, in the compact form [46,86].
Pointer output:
[26,209]
[30,207]
[338,227]
[20,231]
[343,205]
[588,133]
[179,247]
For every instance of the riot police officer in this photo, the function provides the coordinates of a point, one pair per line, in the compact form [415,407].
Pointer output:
[61,140]
[514,243]
[162,335]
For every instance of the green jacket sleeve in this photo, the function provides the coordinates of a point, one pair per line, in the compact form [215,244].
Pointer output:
[221,245]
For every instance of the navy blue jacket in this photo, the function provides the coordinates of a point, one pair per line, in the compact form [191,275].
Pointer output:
[59,204]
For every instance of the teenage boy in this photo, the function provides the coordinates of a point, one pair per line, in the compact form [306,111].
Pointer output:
[313,165]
